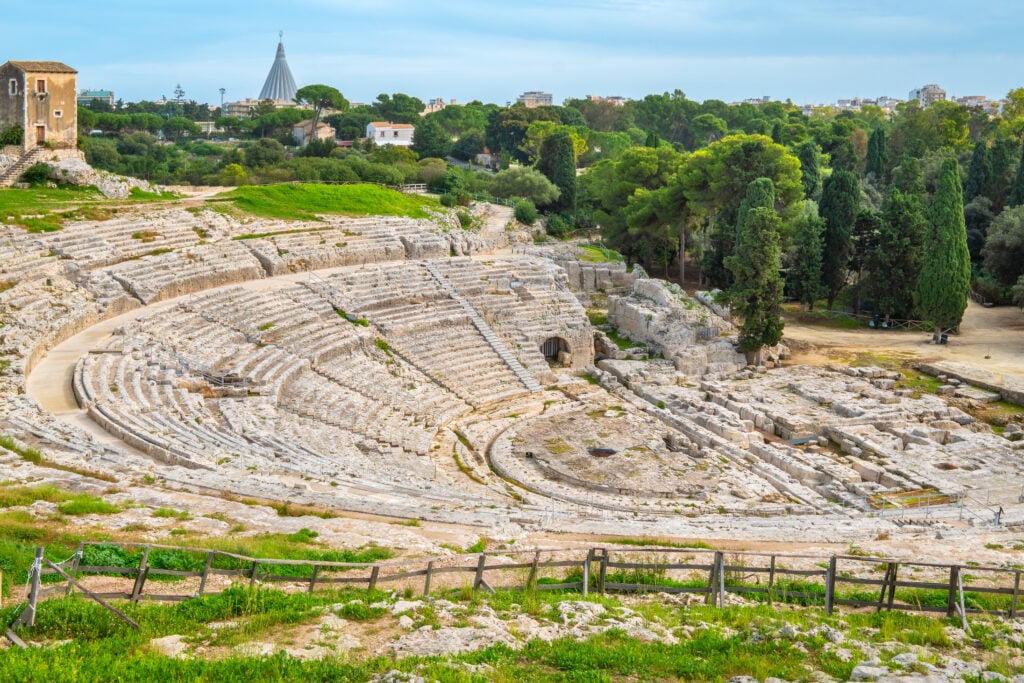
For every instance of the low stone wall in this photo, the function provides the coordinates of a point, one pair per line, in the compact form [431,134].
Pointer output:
[1010,388]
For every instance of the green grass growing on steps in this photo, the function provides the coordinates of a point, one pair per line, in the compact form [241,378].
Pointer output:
[306,201]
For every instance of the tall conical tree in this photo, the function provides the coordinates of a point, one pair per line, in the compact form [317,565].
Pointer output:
[894,263]
[1016,197]
[878,154]
[840,203]
[558,163]
[810,170]
[979,173]
[946,271]
[805,273]
[757,293]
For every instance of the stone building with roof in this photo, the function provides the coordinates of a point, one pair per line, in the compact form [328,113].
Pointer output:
[41,99]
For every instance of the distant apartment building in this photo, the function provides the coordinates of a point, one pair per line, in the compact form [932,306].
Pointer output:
[927,95]
[385,133]
[437,104]
[980,102]
[536,98]
[617,100]
[87,97]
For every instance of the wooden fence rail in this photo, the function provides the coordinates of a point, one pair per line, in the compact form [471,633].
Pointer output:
[838,580]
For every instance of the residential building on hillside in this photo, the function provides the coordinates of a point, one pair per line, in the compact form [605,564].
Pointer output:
[437,104]
[927,95]
[536,98]
[41,99]
[386,133]
[303,132]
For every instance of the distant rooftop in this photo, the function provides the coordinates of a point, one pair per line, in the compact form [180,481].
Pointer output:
[44,67]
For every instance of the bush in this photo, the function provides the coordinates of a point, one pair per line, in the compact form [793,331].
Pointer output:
[37,174]
[558,225]
[451,199]
[15,135]
[526,212]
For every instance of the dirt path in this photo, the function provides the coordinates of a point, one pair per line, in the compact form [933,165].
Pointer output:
[991,338]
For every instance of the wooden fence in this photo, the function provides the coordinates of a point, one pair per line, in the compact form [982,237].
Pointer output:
[821,581]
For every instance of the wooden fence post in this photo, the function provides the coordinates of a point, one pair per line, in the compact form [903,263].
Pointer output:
[531,579]
[830,585]
[252,573]
[374,573]
[954,572]
[426,581]
[29,615]
[312,579]
[892,584]
[603,571]
[206,573]
[771,581]
[140,577]
[713,579]
[478,579]
[74,567]
[586,571]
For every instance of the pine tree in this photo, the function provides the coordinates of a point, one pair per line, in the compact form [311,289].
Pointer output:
[558,163]
[979,173]
[878,154]
[894,264]
[805,273]
[840,203]
[1016,197]
[811,172]
[757,294]
[946,271]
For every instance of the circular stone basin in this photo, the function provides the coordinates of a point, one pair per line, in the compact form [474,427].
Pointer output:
[601,452]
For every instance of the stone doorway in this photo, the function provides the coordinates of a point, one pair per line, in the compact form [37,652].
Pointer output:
[556,351]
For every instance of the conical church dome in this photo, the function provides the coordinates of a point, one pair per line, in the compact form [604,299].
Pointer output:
[279,86]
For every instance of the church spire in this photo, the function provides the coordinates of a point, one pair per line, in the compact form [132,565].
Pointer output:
[280,85]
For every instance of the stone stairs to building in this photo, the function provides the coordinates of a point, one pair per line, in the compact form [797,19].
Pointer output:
[496,343]
[13,172]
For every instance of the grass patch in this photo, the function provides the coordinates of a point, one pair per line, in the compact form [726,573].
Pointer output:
[84,504]
[592,253]
[308,201]
[624,343]
[597,316]
[32,455]
[655,543]
[45,209]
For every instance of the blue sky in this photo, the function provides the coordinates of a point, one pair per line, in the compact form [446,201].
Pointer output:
[806,50]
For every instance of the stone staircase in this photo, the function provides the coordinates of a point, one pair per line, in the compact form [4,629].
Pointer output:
[488,333]
[13,172]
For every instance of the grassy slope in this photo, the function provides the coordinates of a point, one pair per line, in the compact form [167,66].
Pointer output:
[715,644]
[306,201]
[43,209]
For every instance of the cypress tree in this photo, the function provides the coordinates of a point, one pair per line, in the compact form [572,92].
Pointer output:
[878,154]
[558,163]
[946,270]
[805,273]
[811,172]
[894,264]
[1016,197]
[979,173]
[757,294]
[840,203]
